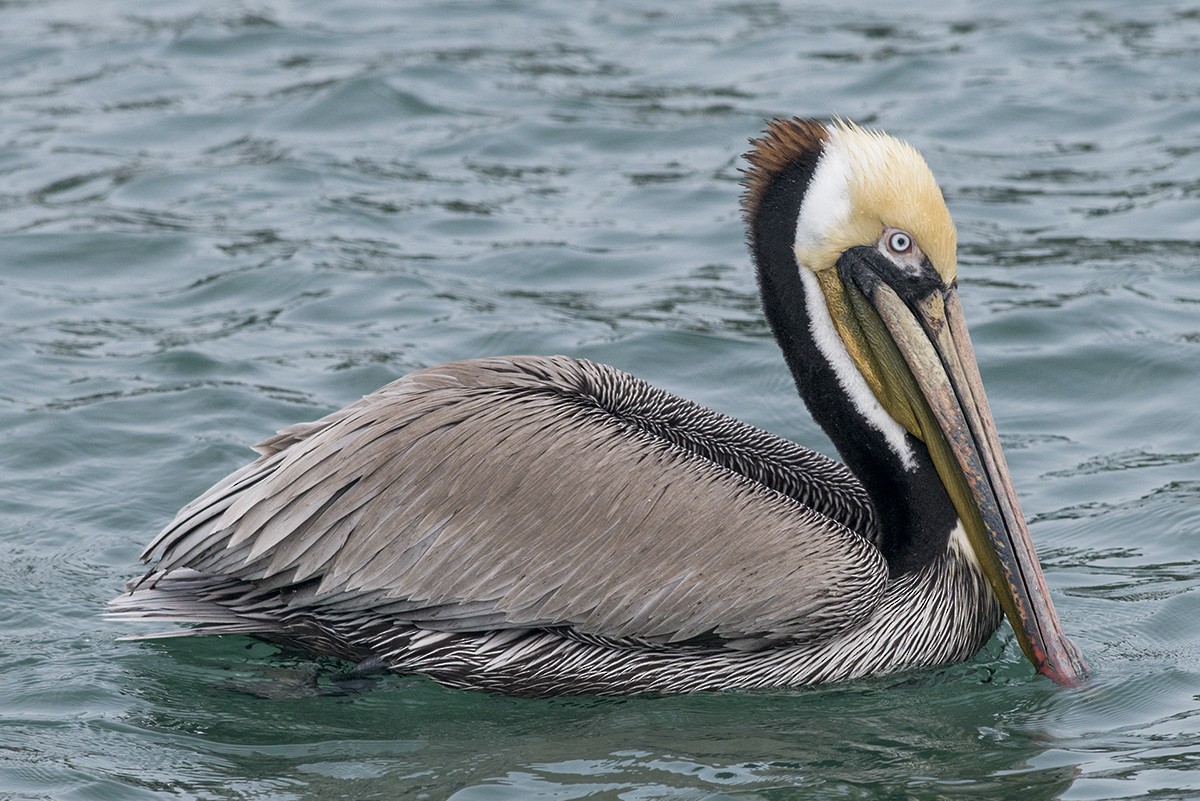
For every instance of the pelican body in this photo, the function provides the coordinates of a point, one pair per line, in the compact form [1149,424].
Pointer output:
[548,525]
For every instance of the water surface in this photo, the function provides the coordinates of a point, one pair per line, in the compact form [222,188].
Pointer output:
[220,219]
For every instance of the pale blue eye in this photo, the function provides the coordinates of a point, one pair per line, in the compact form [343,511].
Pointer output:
[899,242]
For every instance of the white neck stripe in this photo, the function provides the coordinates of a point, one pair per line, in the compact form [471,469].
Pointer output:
[848,375]
[826,204]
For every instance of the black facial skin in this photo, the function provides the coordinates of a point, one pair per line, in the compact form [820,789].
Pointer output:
[866,267]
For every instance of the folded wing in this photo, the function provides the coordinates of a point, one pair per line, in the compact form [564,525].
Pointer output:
[530,492]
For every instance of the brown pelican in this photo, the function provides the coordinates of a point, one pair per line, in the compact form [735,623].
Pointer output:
[548,525]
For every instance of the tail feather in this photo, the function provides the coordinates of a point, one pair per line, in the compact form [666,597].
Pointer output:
[188,596]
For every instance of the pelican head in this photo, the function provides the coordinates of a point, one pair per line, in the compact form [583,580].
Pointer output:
[856,255]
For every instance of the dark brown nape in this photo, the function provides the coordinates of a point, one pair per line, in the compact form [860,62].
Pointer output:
[783,143]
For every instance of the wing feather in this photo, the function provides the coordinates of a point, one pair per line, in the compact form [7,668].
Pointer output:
[542,492]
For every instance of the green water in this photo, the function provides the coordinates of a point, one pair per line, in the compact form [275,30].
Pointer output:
[219,219]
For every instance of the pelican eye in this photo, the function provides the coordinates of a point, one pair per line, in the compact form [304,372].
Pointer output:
[900,243]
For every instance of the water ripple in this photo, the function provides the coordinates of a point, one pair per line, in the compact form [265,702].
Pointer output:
[222,219]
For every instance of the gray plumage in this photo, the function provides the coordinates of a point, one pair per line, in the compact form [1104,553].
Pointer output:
[551,525]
